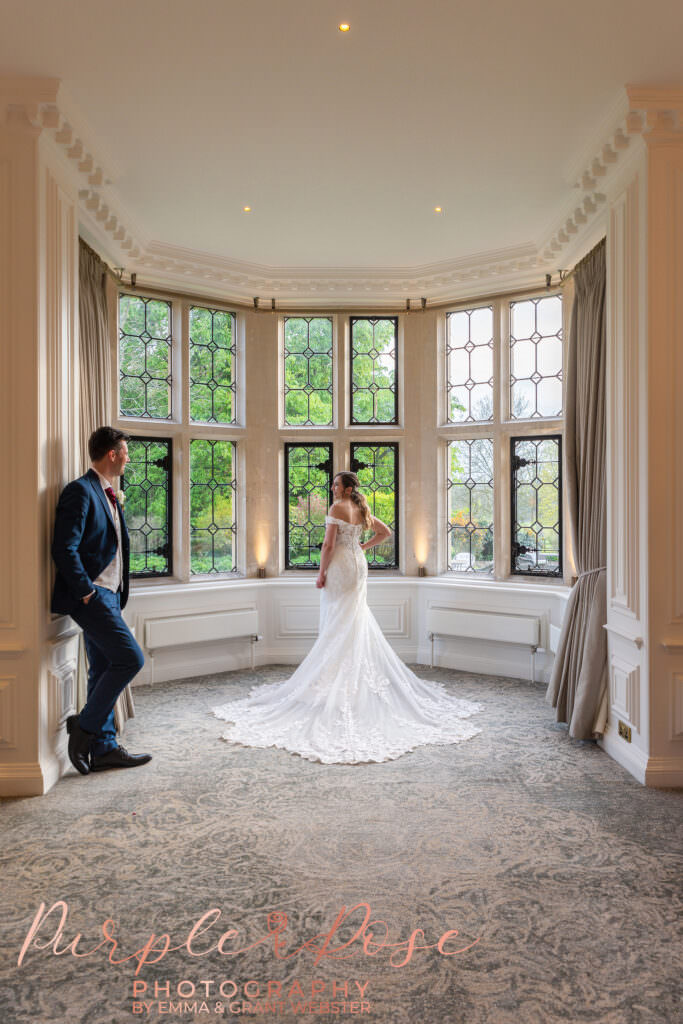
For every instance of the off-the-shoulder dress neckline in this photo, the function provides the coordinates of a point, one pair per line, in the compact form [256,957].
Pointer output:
[343,521]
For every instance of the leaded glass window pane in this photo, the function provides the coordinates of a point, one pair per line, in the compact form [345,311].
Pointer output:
[536,358]
[374,370]
[144,357]
[213,528]
[212,366]
[470,506]
[308,371]
[308,484]
[536,505]
[469,371]
[376,466]
[146,484]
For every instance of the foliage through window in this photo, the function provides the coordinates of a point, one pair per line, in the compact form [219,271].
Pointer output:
[212,366]
[308,371]
[536,510]
[377,468]
[470,505]
[212,506]
[308,489]
[144,357]
[146,484]
[374,370]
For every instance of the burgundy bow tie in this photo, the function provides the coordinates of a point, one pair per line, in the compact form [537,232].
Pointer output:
[109,491]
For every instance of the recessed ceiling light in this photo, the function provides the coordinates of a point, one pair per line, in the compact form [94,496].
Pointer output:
[246,209]
[344,27]
[438,209]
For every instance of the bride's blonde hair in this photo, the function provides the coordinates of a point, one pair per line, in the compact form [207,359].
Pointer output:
[356,496]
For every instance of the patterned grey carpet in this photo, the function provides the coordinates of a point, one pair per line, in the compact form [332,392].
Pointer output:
[558,871]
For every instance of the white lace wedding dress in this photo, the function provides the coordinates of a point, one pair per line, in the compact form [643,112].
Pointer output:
[351,699]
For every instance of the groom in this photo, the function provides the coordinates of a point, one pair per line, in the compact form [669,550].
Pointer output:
[91,551]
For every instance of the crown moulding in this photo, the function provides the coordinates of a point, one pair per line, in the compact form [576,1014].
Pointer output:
[652,113]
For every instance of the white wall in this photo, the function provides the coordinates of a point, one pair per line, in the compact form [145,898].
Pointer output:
[288,612]
[645,443]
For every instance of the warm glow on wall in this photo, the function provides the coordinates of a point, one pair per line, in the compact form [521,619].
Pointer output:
[421,546]
[344,27]
[262,546]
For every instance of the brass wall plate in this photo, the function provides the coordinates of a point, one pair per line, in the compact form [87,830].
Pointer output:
[625,731]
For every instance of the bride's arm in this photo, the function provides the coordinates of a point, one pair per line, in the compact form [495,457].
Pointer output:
[326,553]
[382,533]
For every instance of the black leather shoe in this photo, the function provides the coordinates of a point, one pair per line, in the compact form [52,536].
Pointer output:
[117,758]
[79,745]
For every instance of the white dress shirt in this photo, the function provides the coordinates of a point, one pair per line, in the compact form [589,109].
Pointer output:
[112,576]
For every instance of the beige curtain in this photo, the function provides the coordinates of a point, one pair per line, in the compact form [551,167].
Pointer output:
[578,685]
[95,404]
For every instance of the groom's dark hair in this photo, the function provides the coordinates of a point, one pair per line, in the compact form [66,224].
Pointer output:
[103,440]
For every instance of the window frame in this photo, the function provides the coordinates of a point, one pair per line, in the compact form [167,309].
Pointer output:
[517,573]
[364,424]
[375,443]
[236,382]
[288,446]
[500,429]
[168,575]
[181,430]
[282,385]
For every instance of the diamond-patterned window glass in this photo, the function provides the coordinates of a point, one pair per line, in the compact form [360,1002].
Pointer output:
[146,485]
[308,371]
[376,466]
[144,357]
[374,370]
[212,366]
[469,365]
[536,465]
[308,487]
[536,358]
[213,528]
[470,506]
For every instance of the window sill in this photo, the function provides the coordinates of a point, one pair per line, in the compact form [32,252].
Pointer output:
[522,583]
[306,577]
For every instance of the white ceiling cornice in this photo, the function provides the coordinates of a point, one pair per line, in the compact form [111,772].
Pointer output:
[640,110]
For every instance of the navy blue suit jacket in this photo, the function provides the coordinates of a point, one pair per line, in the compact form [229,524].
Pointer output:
[84,542]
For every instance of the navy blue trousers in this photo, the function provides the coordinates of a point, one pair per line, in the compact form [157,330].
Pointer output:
[114,658]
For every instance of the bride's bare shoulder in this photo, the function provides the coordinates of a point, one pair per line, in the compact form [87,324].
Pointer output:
[347,511]
[338,510]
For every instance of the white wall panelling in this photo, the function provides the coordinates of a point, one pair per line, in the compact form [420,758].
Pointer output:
[62,675]
[9,730]
[38,289]
[626,415]
[288,614]
[625,690]
[676,706]
[663,132]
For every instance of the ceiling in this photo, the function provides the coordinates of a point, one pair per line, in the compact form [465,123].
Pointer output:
[342,144]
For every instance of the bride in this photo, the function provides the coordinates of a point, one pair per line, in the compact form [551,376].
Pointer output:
[351,699]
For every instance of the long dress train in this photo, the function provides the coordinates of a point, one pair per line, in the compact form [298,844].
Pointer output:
[351,699]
